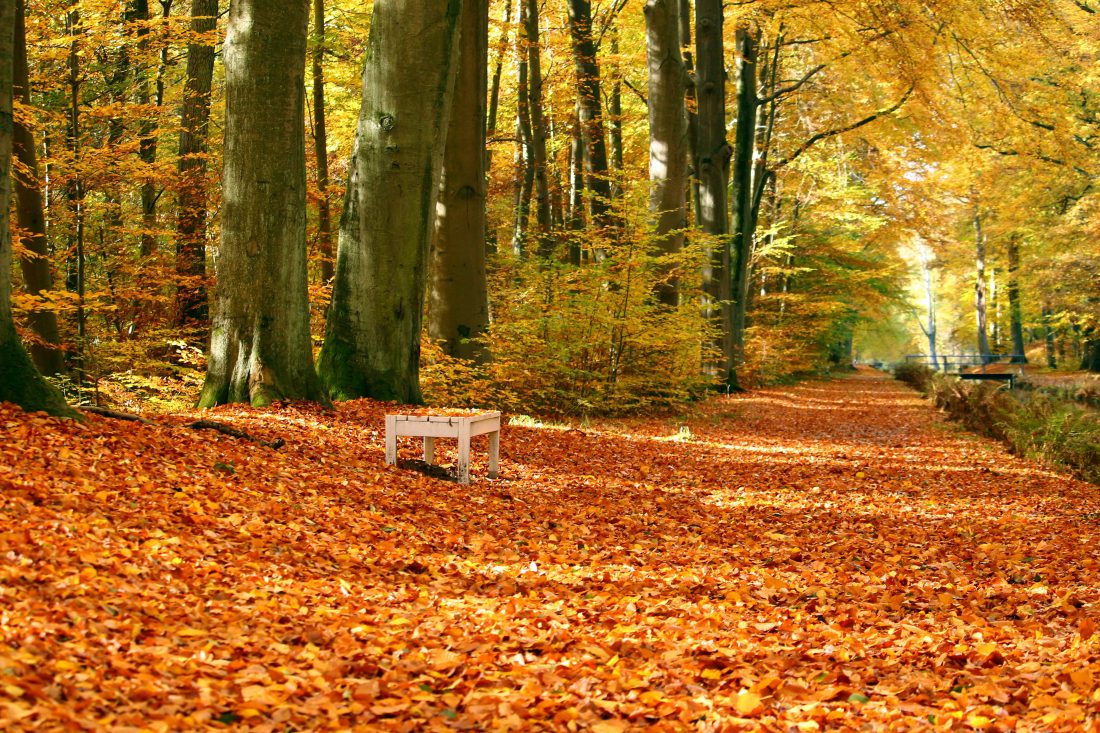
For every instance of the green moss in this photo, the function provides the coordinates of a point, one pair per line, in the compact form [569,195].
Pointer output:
[21,383]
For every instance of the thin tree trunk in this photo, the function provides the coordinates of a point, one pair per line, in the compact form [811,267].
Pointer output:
[20,382]
[191,306]
[1048,334]
[743,219]
[260,347]
[576,189]
[320,142]
[75,194]
[979,290]
[147,132]
[713,173]
[690,106]
[930,303]
[1016,320]
[537,147]
[591,113]
[458,306]
[667,137]
[615,117]
[37,278]
[372,338]
[494,86]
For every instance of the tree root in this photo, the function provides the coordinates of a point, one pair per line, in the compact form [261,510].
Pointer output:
[197,425]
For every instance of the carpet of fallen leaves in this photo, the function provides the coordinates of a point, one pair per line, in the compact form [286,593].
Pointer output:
[828,556]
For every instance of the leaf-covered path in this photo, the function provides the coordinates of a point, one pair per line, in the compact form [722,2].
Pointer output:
[827,556]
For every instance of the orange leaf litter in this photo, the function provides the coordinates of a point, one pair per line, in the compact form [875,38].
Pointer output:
[828,556]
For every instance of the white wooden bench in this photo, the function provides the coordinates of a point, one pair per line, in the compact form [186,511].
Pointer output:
[430,427]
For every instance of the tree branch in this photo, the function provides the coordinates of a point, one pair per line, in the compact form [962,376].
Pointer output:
[848,128]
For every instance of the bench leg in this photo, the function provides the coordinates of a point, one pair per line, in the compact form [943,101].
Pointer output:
[494,454]
[429,449]
[391,439]
[464,453]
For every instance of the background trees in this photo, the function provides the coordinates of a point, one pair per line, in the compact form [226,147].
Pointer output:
[846,135]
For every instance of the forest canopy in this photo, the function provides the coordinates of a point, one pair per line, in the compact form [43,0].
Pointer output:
[555,205]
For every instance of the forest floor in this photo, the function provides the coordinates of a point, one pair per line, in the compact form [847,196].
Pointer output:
[833,555]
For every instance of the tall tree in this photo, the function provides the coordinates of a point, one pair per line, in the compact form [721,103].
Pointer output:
[980,289]
[20,382]
[591,110]
[667,135]
[537,140]
[191,306]
[744,222]
[458,308]
[320,142]
[713,173]
[35,266]
[1015,316]
[260,345]
[372,337]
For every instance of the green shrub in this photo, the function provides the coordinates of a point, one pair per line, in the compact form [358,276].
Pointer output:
[1053,430]
[917,376]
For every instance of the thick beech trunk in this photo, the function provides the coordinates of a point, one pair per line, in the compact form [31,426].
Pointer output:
[615,117]
[1015,316]
[37,278]
[591,112]
[191,306]
[372,338]
[458,308]
[930,304]
[20,382]
[744,220]
[667,136]
[690,105]
[260,347]
[979,290]
[713,174]
[320,143]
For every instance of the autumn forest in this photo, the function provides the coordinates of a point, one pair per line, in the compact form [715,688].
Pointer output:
[679,244]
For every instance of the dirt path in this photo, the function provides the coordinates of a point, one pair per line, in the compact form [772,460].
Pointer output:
[827,556]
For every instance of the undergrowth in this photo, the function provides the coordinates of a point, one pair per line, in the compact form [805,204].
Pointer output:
[1037,424]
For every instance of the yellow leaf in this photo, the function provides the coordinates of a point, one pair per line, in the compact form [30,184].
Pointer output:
[14,691]
[748,703]
[712,674]
[191,632]
[609,726]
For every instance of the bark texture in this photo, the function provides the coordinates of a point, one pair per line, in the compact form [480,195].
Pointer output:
[667,136]
[591,110]
[713,173]
[20,382]
[744,221]
[260,345]
[979,290]
[320,142]
[1016,321]
[30,211]
[458,309]
[191,305]
[372,337]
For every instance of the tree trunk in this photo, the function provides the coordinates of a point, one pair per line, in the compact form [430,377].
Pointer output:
[20,382]
[576,189]
[743,219]
[979,290]
[690,106]
[37,278]
[591,114]
[1048,333]
[713,174]
[74,191]
[930,302]
[1014,310]
[191,307]
[537,147]
[458,308]
[667,137]
[372,339]
[320,143]
[260,347]
[147,133]
[615,117]
[525,174]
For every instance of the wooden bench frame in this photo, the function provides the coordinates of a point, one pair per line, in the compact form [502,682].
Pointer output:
[430,427]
